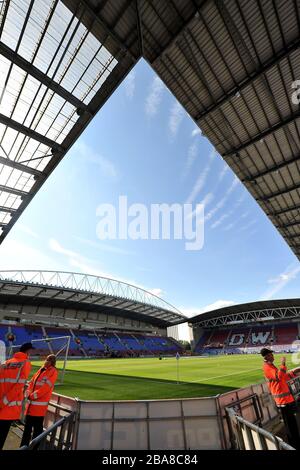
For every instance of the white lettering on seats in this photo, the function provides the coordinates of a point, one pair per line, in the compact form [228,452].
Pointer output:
[237,339]
[260,337]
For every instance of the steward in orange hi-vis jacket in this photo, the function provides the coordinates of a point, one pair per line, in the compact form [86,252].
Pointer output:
[39,393]
[277,381]
[13,375]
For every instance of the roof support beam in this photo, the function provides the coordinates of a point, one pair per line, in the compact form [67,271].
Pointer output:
[272,169]
[20,167]
[96,300]
[263,134]
[7,210]
[123,302]
[179,33]
[295,247]
[283,211]
[139,26]
[283,54]
[29,132]
[107,303]
[290,224]
[16,192]
[292,237]
[41,77]
[279,193]
[119,41]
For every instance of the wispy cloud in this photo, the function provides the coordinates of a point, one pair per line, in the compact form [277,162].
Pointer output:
[280,281]
[201,179]
[106,167]
[190,312]
[86,266]
[23,228]
[196,131]
[222,201]
[130,84]
[221,220]
[228,214]
[205,201]
[192,154]
[76,260]
[198,185]
[184,330]
[229,226]
[248,225]
[223,172]
[19,255]
[104,247]
[157,292]
[176,116]
[154,98]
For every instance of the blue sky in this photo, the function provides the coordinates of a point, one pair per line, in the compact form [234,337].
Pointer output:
[142,144]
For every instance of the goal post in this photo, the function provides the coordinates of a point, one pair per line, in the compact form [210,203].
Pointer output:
[57,345]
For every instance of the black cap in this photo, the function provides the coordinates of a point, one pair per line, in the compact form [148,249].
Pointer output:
[265,351]
[25,347]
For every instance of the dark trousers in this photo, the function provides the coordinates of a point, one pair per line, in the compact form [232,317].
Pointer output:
[34,423]
[4,430]
[289,417]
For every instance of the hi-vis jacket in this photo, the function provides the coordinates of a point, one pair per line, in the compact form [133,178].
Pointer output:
[277,382]
[13,375]
[40,390]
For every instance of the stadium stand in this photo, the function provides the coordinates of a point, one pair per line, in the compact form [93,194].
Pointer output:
[281,337]
[202,341]
[285,334]
[218,339]
[59,343]
[88,343]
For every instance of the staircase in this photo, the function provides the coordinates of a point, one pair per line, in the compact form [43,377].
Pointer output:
[80,347]
[48,342]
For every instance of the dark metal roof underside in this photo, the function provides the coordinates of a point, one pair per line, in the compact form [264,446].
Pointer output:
[245,308]
[230,63]
[18,293]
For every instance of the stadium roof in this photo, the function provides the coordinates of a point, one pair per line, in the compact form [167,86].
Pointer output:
[266,310]
[230,63]
[83,291]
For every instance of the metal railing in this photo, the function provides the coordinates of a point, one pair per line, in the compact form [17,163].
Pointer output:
[241,406]
[294,386]
[57,437]
[248,436]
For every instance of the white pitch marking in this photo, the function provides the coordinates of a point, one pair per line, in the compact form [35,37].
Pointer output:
[226,375]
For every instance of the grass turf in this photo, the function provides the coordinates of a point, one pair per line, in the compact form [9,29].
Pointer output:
[143,378]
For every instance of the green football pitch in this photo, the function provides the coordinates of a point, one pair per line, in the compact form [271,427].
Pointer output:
[143,378]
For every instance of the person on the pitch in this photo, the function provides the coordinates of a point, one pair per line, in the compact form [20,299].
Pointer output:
[38,394]
[13,375]
[277,382]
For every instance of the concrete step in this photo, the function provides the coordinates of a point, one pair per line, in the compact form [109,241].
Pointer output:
[14,438]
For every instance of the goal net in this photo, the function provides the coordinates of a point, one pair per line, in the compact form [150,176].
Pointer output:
[58,345]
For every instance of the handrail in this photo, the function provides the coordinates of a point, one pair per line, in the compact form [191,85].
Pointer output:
[238,404]
[239,424]
[50,432]
[294,386]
